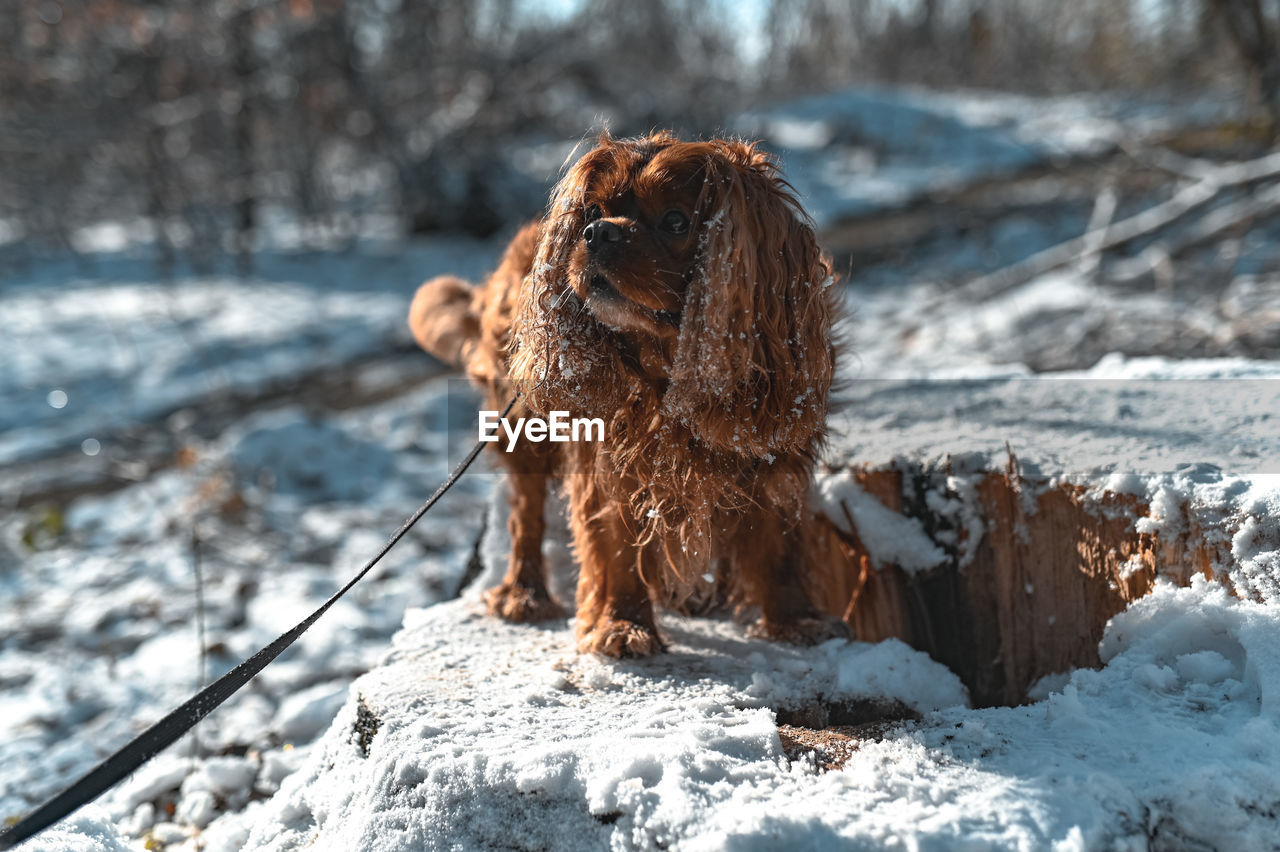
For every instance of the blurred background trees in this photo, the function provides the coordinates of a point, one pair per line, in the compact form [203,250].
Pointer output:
[200,124]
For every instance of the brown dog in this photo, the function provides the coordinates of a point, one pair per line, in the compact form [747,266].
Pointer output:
[676,291]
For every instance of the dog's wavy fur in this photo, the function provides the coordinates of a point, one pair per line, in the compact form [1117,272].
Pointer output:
[706,347]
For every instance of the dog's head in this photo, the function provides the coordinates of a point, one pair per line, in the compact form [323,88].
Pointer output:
[633,242]
[703,248]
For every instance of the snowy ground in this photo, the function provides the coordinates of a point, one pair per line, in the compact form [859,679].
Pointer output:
[272,495]
[852,153]
[115,348]
[147,429]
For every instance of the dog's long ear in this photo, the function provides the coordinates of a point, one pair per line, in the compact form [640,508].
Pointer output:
[557,355]
[753,362]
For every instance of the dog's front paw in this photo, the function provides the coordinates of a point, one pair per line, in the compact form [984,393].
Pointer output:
[621,638]
[800,631]
[520,604]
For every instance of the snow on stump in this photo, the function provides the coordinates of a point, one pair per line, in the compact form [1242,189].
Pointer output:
[476,733]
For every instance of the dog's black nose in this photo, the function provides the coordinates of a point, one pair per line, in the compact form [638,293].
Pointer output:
[600,232]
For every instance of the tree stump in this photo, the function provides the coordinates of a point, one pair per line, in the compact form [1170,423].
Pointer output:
[1051,564]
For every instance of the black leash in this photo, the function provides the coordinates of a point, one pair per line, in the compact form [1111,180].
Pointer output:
[164,733]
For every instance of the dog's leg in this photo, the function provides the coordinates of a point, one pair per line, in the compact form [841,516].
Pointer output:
[772,568]
[523,595]
[615,612]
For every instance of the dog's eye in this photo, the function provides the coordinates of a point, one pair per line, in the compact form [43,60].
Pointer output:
[675,222]
[594,212]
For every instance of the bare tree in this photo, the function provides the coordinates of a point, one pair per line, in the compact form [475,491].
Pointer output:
[1254,28]
[199,119]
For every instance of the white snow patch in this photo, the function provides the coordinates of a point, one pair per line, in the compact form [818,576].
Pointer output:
[89,829]
[641,752]
[305,714]
[890,537]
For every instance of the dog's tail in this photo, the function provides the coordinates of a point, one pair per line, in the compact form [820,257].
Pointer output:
[442,318]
